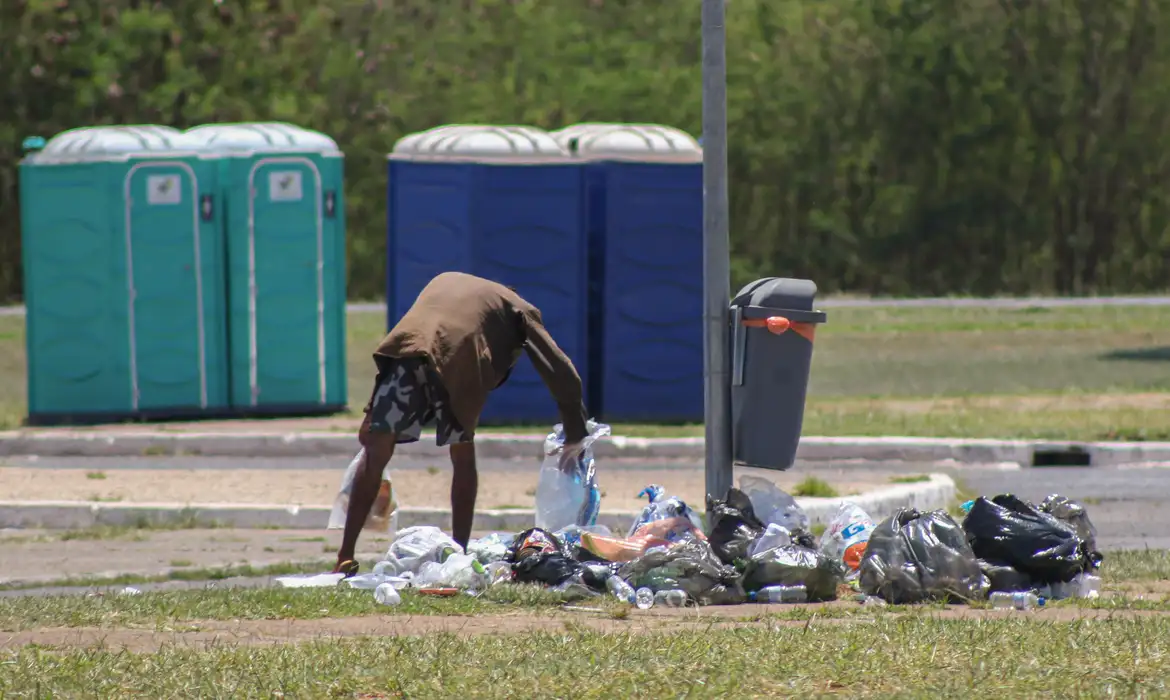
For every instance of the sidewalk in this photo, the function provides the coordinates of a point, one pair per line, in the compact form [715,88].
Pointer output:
[336,436]
[414,488]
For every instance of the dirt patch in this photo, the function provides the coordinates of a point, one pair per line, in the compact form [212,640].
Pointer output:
[201,635]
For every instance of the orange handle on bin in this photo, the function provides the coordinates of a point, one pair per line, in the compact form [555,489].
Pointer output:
[779,324]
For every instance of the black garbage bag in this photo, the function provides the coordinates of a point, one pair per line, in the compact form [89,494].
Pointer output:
[550,569]
[733,526]
[538,556]
[1001,577]
[690,566]
[793,565]
[535,541]
[1073,513]
[1011,531]
[912,557]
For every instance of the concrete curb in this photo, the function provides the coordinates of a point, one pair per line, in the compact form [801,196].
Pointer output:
[528,447]
[937,492]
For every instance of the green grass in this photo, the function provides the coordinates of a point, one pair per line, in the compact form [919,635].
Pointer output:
[164,609]
[813,487]
[1066,374]
[210,574]
[914,656]
[916,479]
[1136,565]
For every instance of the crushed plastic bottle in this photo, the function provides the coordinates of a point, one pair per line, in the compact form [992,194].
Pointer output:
[1021,600]
[780,594]
[672,599]
[130,590]
[1089,586]
[499,572]
[387,594]
[644,598]
[620,589]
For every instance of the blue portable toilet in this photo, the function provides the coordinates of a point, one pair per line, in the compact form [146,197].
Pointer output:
[503,203]
[123,280]
[281,188]
[645,194]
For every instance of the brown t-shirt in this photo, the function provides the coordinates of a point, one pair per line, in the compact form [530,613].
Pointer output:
[472,331]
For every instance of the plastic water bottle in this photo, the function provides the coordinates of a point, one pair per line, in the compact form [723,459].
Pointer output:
[1021,600]
[1089,586]
[387,594]
[644,598]
[671,599]
[620,589]
[780,594]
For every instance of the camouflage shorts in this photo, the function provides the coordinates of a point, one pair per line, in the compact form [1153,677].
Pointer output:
[408,396]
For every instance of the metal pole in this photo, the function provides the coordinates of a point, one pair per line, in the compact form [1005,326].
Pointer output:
[716,252]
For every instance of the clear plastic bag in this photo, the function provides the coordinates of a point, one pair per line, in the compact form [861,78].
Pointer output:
[772,504]
[793,565]
[383,516]
[573,498]
[847,536]
[689,566]
[460,571]
[490,547]
[656,533]
[416,546]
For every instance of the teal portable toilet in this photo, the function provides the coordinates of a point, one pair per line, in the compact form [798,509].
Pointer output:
[123,284]
[284,222]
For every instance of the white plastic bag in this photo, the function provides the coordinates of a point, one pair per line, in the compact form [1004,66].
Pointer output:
[416,546]
[847,536]
[490,547]
[775,536]
[773,505]
[310,580]
[383,516]
[564,499]
[460,571]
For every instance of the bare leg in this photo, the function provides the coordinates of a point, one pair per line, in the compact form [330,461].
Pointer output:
[464,485]
[379,449]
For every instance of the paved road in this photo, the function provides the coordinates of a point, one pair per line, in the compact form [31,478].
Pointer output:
[995,303]
[1129,505]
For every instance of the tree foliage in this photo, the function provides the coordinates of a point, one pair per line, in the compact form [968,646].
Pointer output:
[890,146]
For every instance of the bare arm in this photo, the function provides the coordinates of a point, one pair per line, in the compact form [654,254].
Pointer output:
[559,375]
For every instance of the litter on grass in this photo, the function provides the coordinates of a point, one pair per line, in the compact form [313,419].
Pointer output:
[756,545]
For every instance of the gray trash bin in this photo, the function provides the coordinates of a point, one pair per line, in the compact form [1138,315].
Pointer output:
[773,325]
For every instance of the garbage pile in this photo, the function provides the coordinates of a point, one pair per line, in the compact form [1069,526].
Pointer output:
[756,545]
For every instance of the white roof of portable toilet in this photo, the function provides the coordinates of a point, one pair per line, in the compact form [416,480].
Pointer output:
[475,142]
[259,137]
[109,143]
[637,142]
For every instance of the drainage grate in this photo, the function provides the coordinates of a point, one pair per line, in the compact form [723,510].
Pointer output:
[1071,457]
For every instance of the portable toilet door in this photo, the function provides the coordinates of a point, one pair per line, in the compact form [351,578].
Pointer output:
[503,203]
[123,278]
[645,193]
[286,261]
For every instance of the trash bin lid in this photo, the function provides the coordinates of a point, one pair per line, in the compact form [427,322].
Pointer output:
[792,297]
[258,137]
[480,143]
[632,142]
[106,143]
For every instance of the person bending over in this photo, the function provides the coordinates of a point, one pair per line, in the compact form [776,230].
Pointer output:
[459,341]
